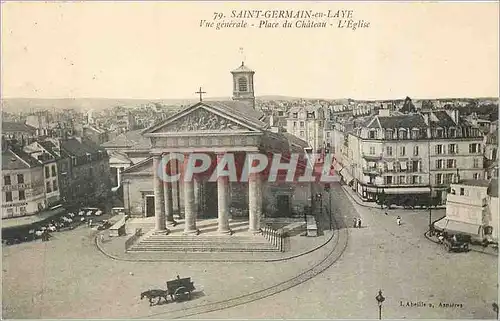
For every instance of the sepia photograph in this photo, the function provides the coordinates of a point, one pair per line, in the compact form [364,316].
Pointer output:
[249,160]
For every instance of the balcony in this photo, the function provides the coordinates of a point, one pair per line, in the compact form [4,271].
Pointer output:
[372,170]
[16,187]
[466,200]
[371,157]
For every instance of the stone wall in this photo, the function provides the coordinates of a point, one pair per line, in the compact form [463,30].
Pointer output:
[134,201]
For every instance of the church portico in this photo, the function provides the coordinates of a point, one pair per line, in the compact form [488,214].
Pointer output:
[199,170]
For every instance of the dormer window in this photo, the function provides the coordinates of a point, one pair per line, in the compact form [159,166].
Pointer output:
[415,133]
[452,132]
[389,134]
[295,115]
[403,134]
[439,133]
[372,134]
[73,160]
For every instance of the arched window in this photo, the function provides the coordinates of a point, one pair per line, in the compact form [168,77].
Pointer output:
[242,84]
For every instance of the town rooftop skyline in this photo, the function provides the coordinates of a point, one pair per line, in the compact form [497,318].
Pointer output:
[148,50]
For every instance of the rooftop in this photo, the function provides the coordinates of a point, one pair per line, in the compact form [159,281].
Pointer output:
[242,68]
[8,126]
[474,182]
[13,159]
[131,139]
[444,120]
[74,147]
[49,147]
[402,121]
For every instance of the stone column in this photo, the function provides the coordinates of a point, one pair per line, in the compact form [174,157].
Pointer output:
[118,176]
[126,199]
[160,226]
[167,188]
[189,206]
[197,184]
[223,202]
[254,203]
[175,190]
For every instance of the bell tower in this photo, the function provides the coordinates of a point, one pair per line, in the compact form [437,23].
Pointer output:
[243,90]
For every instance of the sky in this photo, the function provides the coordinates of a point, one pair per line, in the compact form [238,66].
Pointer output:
[157,50]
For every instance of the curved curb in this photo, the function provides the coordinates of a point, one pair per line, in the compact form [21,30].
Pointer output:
[301,278]
[426,235]
[117,258]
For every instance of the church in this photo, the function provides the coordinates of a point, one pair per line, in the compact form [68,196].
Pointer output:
[215,128]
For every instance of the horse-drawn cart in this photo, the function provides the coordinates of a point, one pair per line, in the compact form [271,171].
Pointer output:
[180,289]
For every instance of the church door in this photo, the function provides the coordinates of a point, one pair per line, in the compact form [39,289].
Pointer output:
[150,206]
[210,200]
[283,204]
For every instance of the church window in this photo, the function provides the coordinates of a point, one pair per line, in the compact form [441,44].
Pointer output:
[242,84]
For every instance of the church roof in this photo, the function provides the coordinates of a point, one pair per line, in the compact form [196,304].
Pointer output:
[242,68]
[238,109]
[235,110]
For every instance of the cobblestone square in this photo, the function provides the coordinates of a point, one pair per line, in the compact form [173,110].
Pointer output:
[69,278]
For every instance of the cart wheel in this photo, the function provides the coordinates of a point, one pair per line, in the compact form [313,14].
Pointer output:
[180,293]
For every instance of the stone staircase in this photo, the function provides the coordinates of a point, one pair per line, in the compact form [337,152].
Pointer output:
[200,243]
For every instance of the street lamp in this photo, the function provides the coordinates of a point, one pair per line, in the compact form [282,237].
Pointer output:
[380,299]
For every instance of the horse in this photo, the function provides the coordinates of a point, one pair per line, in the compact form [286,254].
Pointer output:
[152,294]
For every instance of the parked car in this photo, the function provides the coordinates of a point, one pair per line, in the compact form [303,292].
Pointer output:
[104,225]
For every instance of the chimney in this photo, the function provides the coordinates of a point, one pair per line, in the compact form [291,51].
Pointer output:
[426,118]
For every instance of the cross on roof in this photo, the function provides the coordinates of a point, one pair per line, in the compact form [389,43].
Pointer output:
[242,53]
[201,93]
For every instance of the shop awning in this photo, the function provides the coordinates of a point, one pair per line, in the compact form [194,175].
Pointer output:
[346,176]
[390,166]
[403,165]
[28,220]
[452,226]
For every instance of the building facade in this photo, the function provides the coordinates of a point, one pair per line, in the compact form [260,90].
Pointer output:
[414,155]
[85,173]
[308,123]
[469,211]
[23,190]
[48,159]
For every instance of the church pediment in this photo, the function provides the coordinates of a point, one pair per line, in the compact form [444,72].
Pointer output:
[201,119]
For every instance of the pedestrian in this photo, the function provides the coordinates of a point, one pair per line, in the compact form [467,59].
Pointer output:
[355,222]
[398,220]
[90,223]
[359,222]
[102,238]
